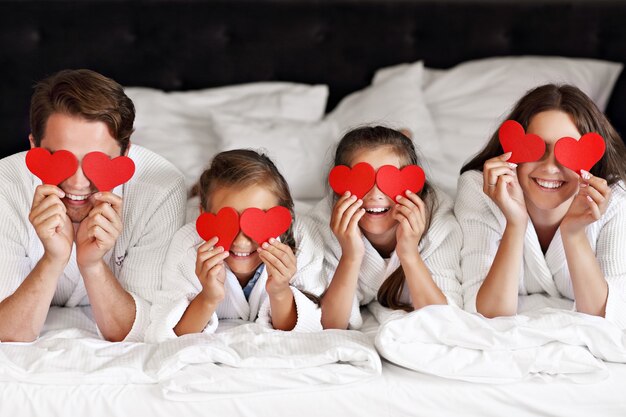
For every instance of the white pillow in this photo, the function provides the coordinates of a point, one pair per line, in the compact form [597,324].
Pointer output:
[177,125]
[395,101]
[468,102]
[300,150]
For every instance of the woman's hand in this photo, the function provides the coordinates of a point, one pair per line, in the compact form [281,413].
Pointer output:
[588,206]
[500,183]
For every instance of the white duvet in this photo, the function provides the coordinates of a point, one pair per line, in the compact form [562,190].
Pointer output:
[546,343]
[244,358]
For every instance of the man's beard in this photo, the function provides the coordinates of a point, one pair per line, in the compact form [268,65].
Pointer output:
[78,214]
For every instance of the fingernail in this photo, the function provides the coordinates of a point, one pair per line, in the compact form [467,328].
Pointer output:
[583,184]
[590,199]
[264,245]
[507,155]
[512,165]
[352,197]
[585,174]
[220,249]
[347,193]
[272,240]
[398,198]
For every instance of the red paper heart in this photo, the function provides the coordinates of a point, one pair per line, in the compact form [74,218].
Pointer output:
[106,173]
[524,147]
[261,225]
[224,225]
[52,169]
[394,182]
[358,180]
[580,154]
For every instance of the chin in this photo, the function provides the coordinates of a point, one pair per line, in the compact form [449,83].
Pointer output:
[377,228]
[243,266]
[78,214]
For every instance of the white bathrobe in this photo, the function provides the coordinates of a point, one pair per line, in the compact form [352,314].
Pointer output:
[439,248]
[153,209]
[181,286]
[483,225]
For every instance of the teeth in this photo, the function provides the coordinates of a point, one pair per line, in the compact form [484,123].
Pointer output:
[77,197]
[549,184]
[241,253]
[377,210]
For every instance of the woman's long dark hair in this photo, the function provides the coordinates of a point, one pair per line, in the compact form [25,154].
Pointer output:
[586,116]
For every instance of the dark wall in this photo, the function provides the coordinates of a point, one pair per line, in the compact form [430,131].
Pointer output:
[197,44]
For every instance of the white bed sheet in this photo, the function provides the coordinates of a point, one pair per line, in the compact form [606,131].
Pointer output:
[396,392]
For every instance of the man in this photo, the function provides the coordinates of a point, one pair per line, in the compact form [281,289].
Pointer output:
[71,245]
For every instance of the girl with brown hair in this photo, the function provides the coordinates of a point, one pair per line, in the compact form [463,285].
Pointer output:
[405,252]
[274,283]
[540,228]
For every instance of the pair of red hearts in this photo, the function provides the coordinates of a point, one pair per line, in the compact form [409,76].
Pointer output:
[390,180]
[105,173]
[571,153]
[255,223]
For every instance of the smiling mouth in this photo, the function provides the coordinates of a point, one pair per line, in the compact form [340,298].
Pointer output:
[240,255]
[77,197]
[549,184]
[76,200]
[377,211]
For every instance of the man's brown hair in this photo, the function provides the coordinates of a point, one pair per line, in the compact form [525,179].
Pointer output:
[86,94]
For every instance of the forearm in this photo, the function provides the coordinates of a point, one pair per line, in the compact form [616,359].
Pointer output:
[23,314]
[498,294]
[113,307]
[196,317]
[337,301]
[284,313]
[590,286]
[422,288]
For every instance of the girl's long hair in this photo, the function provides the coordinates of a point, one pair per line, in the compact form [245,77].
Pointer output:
[371,137]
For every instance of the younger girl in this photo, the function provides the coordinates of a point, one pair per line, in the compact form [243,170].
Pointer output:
[203,283]
[403,252]
[541,228]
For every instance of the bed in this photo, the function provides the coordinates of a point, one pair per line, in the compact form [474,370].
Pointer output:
[327,50]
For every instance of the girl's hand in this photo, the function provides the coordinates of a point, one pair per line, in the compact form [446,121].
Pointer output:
[500,183]
[281,266]
[589,205]
[410,212]
[344,222]
[211,271]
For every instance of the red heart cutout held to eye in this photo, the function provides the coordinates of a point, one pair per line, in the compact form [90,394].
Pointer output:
[394,182]
[224,225]
[261,225]
[51,169]
[358,180]
[524,147]
[580,154]
[106,173]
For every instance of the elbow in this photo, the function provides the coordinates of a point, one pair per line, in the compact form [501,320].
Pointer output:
[492,313]
[19,338]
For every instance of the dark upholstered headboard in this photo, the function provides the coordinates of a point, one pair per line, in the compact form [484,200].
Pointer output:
[190,44]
